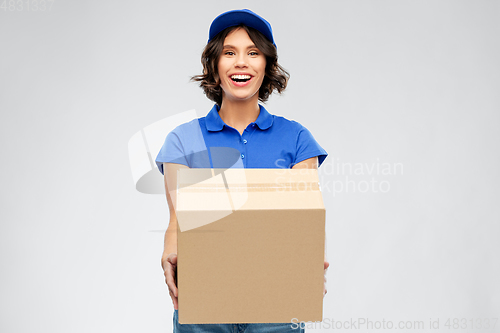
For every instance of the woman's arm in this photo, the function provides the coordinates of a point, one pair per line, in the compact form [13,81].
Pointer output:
[312,163]
[169,257]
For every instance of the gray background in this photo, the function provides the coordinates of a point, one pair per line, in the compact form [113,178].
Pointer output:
[409,83]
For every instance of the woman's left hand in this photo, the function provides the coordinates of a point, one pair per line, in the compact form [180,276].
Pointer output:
[327,264]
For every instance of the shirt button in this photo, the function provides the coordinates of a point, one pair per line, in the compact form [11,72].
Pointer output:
[253,125]
[244,140]
[242,155]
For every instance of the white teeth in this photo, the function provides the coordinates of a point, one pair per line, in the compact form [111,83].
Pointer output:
[241,77]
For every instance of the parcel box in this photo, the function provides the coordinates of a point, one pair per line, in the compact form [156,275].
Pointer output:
[250,245]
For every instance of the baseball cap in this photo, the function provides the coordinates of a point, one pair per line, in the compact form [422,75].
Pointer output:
[240,16]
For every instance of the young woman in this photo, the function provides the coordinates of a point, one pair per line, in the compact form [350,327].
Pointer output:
[240,68]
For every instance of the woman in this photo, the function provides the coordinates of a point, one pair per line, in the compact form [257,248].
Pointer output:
[240,68]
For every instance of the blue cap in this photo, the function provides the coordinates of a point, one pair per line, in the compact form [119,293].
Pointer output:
[237,17]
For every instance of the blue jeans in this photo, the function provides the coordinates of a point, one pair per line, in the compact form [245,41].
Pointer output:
[235,328]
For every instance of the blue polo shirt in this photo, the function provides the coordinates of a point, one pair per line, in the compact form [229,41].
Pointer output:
[269,142]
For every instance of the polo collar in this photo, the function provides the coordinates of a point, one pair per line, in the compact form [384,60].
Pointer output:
[215,123]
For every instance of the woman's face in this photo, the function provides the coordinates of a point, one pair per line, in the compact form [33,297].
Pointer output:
[241,67]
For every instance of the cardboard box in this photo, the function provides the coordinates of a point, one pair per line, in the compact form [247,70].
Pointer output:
[250,245]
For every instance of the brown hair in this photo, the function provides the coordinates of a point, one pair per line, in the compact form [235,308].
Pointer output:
[276,77]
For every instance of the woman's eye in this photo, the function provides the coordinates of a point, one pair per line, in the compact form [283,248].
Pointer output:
[229,53]
[254,53]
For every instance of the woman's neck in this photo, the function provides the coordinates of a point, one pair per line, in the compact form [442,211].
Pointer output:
[238,114]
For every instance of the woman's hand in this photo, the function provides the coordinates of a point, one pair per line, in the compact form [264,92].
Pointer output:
[170,272]
[326,265]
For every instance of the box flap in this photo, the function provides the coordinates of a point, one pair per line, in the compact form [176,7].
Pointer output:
[243,189]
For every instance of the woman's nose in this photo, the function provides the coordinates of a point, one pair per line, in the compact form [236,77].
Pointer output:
[241,61]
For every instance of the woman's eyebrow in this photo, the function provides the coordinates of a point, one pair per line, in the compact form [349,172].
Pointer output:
[233,47]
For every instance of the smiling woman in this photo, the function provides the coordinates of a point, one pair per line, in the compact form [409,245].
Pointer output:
[218,48]
[240,68]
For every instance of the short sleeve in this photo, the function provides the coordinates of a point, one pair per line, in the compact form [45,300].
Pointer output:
[308,147]
[172,151]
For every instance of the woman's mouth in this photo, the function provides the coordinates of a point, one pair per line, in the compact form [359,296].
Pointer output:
[240,80]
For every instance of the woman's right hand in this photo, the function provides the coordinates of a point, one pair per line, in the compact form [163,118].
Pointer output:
[170,272]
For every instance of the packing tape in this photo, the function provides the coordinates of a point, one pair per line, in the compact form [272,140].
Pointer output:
[261,187]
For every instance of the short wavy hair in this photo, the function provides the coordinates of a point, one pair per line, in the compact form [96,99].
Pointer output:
[276,77]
